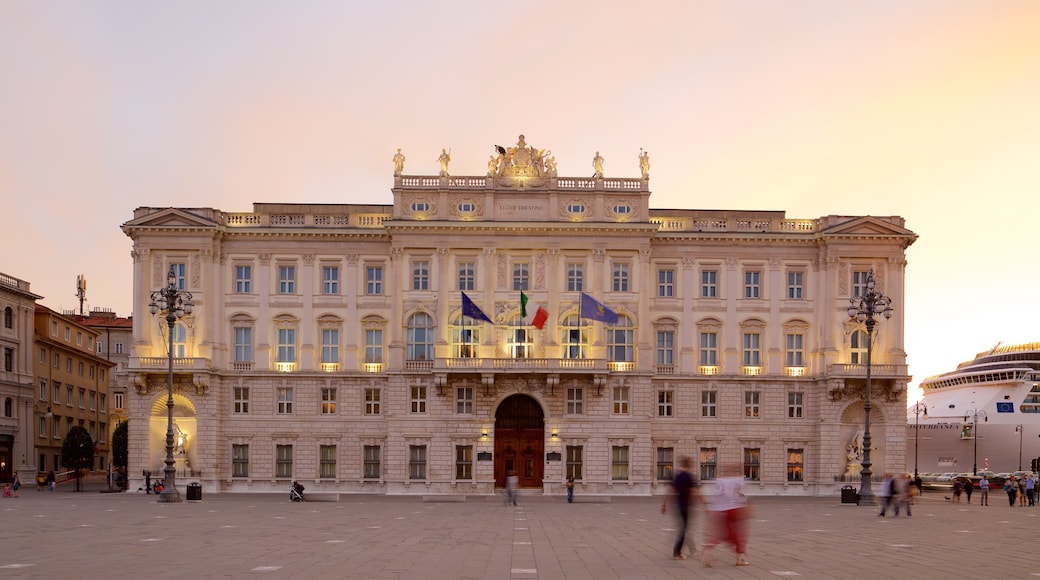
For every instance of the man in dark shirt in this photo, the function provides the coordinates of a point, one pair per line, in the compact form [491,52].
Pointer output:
[684,489]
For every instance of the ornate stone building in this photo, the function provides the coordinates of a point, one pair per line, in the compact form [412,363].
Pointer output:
[329,343]
[17,452]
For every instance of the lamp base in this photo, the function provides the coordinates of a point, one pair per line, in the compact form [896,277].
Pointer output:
[867,499]
[169,495]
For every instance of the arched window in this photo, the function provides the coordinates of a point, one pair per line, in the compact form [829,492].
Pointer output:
[465,336]
[420,337]
[520,340]
[574,338]
[8,317]
[620,341]
[858,348]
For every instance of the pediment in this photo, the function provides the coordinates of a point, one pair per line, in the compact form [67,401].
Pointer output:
[867,226]
[171,217]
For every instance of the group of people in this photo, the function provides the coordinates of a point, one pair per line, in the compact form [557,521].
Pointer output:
[727,510]
[1021,490]
[897,491]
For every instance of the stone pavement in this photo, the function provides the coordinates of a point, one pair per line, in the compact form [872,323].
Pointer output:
[129,535]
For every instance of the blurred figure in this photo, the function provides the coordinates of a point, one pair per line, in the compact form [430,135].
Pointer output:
[684,490]
[728,511]
[885,494]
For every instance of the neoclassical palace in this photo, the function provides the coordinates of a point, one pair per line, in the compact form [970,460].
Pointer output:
[392,349]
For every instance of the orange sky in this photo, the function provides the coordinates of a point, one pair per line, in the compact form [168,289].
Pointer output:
[924,109]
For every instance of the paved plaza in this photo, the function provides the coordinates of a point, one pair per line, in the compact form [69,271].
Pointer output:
[128,535]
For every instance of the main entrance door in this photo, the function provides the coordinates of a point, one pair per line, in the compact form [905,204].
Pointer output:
[519,441]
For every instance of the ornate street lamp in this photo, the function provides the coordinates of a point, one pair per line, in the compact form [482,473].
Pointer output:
[974,415]
[918,408]
[864,308]
[175,303]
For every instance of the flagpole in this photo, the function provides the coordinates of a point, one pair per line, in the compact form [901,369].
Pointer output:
[581,353]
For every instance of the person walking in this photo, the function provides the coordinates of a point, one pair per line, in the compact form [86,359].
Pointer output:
[512,483]
[885,494]
[51,482]
[570,489]
[1022,492]
[969,487]
[148,482]
[984,490]
[729,513]
[1011,488]
[901,494]
[1031,490]
[684,490]
[957,488]
[16,484]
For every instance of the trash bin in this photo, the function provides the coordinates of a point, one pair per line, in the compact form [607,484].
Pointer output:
[848,495]
[194,491]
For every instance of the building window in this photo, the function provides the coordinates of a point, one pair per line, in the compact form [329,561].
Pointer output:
[464,462]
[68,360]
[43,427]
[374,280]
[465,337]
[43,390]
[243,344]
[752,284]
[752,403]
[179,270]
[420,275]
[621,400]
[416,462]
[709,463]
[330,345]
[664,403]
[79,338]
[287,279]
[519,341]
[467,275]
[665,463]
[8,317]
[575,400]
[57,360]
[420,337]
[82,398]
[521,276]
[372,397]
[752,463]
[709,351]
[418,399]
[283,461]
[374,345]
[709,403]
[117,400]
[464,400]
[119,348]
[619,463]
[328,400]
[327,461]
[859,283]
[92,401]
[9,360]
[54,328]
[574,338]
[104,403]
[575,277]
[795,406]
[243,279]
[795,285]
[68,394]
[709,284]
[620,277]
[665,347]
[239,461]
[43,356]
[795,464]
[285,400]
[180,340]
[752,349]
[372,469]
[795,350]
[665,283]
[620,341]
[286,345]
[330,280]
[241,400]
[575,454]
[858,348]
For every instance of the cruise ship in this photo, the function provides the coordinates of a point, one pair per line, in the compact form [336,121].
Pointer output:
[983,415]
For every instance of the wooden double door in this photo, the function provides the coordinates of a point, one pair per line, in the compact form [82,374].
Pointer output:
[520,441]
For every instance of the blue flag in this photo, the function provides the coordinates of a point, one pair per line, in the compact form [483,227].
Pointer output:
[472,310]
[592,308]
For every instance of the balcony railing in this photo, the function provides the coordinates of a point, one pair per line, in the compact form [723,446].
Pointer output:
[162,362]
[860,370]
[550,364]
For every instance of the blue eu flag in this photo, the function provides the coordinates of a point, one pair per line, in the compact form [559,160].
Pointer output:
[1005,407]
[472,310]
[592,308]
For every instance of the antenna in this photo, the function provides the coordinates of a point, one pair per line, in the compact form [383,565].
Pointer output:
[81,291]
[995,347]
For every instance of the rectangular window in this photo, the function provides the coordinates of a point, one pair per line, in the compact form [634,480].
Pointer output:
[709,403]
[43,390]
[283,460]
[795,407]
[620,277]
[575,453]
[54,328]
[374,345]
[665,283]
[665,347]
[467,275]
[752,284]
[68,394]
[709,463]
[575,277]
[795,464]
[464,462]
[795,352]
[752,403]
[795,285]
[330,280]
[752,463]
[243,279]
[82,398]
[285,400]
[43,427]
[374,280]
[79,338]
[327,461]
[286,345]
[752,349]
[56,427]
[372,462]
[621,400]
[287,279]
[709,349]
[521,276]
[119,348]
[859,283]
[117,400]
[241,400]
[420,275]
[57,360]
[179,270]
[243,344]
[328,400]
[372,397]
[239,461]
[418,399]
[330,345]
[104,403]
[665,463]
[464,400]
[416,462]
[43,356]
[664,403]
[92,400]
[575,400]
[9,360]
[709,284]
[619,463]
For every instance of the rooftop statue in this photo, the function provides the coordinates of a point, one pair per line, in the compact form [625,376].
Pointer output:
[522,161]
[597,165]
[644,163]
[398,162]
[444,159]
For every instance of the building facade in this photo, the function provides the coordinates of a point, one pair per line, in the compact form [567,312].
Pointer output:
[17,305]
[331,344]
[115,335]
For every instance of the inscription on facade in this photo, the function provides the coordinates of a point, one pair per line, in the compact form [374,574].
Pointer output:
[521,209]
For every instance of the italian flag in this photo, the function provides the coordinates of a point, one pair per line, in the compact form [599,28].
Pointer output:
[532,314]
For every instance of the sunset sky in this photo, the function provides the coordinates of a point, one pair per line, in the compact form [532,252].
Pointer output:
[925,109]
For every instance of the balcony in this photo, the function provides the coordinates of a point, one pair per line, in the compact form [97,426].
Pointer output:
[518,364]
[162,362]
[860,370]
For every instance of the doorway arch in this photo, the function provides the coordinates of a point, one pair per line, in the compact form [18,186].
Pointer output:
[519,441]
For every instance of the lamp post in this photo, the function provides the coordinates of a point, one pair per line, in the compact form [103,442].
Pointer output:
[864,308]
[918,408]
[1020,430]
[175,303]
[974,415]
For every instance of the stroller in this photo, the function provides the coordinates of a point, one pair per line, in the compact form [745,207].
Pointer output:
[296,492]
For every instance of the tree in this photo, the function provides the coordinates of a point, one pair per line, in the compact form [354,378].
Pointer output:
[121,450]
[77,451]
